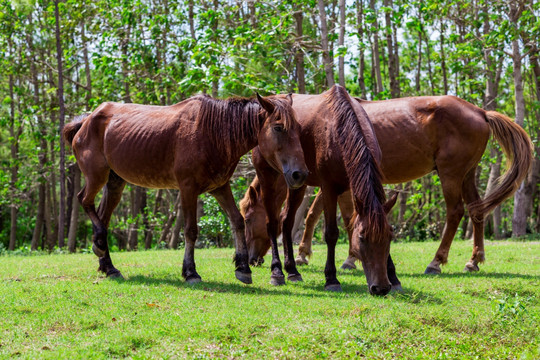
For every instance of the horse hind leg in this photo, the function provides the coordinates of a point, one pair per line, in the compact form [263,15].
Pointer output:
[95,180]
[112,194]
[454,213]
[470,195]
[312,218]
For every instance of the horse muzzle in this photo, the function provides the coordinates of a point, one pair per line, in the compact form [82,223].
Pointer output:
[295,178]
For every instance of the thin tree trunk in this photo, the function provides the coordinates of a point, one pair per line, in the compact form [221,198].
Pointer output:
[14,167]
[361,47]
[393,71]
[299,56]
[61,210]
[341,42]
[443,59]
[327,60]
[522,195]
[178,225]
[376,55]
[72,234]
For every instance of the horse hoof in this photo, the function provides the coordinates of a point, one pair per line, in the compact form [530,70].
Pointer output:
[243,277]
[348,266]
[396,288]
[333,287]
[470,267]
[192,280]
[300,260]
[295,278]
[115,274]
[99,253]
[277,280]
[432,271]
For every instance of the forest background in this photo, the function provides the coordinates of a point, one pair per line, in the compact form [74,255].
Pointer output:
[60,59]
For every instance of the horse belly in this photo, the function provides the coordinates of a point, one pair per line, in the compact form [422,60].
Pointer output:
[146,161]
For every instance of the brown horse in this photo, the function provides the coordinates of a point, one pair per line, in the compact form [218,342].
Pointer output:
[193,146]
[341,152]
[423,134]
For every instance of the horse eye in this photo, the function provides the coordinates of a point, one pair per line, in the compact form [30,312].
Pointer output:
[278,128]
[361,237]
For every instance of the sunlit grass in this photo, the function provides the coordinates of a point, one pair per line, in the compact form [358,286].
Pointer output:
[58,306]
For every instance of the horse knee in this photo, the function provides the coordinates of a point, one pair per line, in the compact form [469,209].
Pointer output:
[331,234]
[191,232]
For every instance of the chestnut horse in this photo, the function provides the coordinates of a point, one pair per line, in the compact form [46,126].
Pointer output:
[341,152]
[423,134]
[193,146]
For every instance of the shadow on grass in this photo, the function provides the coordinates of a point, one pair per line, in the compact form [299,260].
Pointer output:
[465,275]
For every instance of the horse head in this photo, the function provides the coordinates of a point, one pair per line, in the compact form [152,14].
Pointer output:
[279,140]
[372,248]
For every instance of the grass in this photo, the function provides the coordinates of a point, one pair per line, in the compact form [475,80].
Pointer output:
[58,306]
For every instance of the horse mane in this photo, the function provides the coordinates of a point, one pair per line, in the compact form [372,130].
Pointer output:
[236,121]
[361,165]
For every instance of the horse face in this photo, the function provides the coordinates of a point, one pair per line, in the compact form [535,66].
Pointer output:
[279,141]
[374,255]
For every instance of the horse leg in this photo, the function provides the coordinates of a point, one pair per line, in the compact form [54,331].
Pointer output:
[294,199]
[189,207]
[225,199]
[267,179]
[95,180]
[347,209]
[312,218]
[331,233]
[470,195]
[454,212]
[392,276]
[112,193]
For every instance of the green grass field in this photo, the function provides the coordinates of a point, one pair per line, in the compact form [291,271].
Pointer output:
[58,306]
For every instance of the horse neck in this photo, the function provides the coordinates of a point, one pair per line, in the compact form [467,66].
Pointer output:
[232,126]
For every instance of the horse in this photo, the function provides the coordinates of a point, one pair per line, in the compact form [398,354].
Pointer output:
[193,146]
[341,152]
[419,135]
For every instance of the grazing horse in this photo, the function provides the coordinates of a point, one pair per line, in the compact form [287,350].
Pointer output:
[193,146]
[423,134]
[341,152]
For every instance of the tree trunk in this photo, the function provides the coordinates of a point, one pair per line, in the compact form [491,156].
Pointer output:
[443,59]
[522,195]
[361,47]
[341,42]
[14,168]
[327,60]
[178,225]
[393,71]
[72,234]
[376,56]
[299,56]
[61,116]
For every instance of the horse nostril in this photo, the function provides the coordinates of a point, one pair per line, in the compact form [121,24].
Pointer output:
[379,290]
[296,175]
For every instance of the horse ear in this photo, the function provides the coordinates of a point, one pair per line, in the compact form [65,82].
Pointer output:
[267,105]
[389,204]
[289,97]
[253,196]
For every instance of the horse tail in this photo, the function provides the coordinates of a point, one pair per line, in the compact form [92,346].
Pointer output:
[361,155]
[73,127]
[518,149]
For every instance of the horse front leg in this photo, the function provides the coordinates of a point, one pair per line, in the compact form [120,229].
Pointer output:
[191,231]
[331,233]
[294,199]
[225,199]
[312,218]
